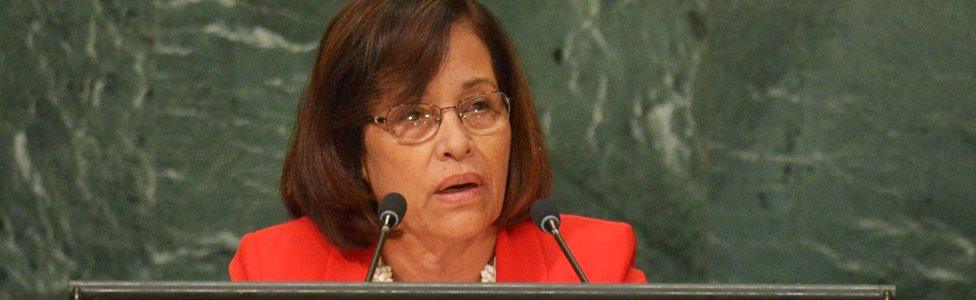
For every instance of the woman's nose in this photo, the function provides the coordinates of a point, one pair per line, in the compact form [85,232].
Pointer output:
[452,141]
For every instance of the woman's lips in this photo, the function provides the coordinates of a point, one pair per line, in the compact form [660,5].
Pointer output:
[460,187]
[458,196]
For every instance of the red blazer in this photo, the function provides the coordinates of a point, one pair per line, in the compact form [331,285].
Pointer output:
[297,251]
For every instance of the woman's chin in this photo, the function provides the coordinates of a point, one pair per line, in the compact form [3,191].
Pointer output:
[462,226]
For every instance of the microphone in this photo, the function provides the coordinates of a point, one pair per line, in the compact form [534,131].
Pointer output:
[391,211]
[546,217]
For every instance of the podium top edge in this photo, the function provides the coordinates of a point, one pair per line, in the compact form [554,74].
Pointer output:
[110,283]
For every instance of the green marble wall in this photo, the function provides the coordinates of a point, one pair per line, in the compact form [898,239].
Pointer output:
[747,141]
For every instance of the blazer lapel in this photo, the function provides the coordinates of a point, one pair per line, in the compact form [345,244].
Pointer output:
[519,256]
[348,266]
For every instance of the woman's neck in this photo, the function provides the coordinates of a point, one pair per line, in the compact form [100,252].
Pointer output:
[414,258]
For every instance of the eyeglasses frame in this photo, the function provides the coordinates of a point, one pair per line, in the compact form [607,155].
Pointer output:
[380,120]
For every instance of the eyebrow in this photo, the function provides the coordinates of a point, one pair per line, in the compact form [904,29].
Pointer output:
[476,82]
[472,83]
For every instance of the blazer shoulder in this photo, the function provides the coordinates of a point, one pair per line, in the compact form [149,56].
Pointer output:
[587,227]
[297,229]
[604,249]
[607,248]
[599,238]
[278,252]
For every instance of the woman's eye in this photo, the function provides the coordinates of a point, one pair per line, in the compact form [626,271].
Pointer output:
[480,106]
[414,117]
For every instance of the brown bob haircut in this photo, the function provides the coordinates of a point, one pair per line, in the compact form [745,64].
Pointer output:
[391,49]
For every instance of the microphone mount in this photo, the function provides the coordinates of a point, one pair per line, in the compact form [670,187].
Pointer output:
[379,247]
[546,216]
[553,225]
[391,210]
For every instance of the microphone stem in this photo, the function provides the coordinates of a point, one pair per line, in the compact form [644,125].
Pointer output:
[569,255]
[379,248]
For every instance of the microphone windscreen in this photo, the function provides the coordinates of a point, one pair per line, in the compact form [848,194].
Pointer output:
[542,210]
[395,205]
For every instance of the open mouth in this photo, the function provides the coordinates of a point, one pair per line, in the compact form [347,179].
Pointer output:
[458,188]
[459,184]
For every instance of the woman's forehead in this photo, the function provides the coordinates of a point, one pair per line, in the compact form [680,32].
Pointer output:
[478,82]
[466,88]
[475,84]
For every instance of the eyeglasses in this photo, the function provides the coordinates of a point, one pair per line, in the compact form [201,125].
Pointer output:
[415,123]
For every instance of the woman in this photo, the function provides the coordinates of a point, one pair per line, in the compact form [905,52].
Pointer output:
[427,99]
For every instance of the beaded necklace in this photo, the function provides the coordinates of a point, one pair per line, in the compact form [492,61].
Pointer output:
[385,274]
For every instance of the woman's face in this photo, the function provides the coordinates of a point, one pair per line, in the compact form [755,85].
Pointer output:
[455,181]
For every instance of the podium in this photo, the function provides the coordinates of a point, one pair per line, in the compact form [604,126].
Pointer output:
[80,290]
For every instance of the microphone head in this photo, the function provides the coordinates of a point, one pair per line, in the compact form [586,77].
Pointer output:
[393,205]
[542,211]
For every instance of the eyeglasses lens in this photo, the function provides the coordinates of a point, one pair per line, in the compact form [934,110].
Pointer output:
[415,123]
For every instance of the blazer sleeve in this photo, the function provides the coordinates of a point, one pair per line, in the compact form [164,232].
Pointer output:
[633,274]
[237,268]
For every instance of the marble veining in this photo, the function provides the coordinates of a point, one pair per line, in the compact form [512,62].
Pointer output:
[745,141]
